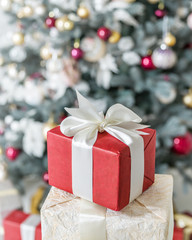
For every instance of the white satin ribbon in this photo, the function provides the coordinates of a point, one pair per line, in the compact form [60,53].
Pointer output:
[28,227]
[84,125]
[92,221]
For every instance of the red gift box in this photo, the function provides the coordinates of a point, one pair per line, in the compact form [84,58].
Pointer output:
[13,222]
[111,166]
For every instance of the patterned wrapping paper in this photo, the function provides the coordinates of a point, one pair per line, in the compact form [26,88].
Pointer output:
[149,217]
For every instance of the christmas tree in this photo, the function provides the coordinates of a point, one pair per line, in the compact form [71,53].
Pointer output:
[137,53]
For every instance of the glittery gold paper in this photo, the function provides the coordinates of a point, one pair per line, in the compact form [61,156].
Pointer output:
[149,217]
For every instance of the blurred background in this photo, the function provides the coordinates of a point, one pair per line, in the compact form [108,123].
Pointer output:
[137,53]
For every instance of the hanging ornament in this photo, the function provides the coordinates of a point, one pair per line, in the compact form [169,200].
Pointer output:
[45,52]
[3,170]
[18,38]
[17,54]
[12,153]
[6,5]
[164,57]
[48,126]
[104,33]
[83,12]
[40,10]
[93,48]
[147,63]
[160,13]
[183,144]
[187,99]
[153,1]
[115,37]
[45,177]
[50,22]
[1,60]
[76,52]
[26,11]
[15,71]
[189,21]
[60,23]
[169,39]
[54,65]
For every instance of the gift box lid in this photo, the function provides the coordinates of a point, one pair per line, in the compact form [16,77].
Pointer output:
[106,142]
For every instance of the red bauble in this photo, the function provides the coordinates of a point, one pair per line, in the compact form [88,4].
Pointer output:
[76,53]
[104,33]
[183,144]
[46,177]
[160,13]
[147,63]
[12,153]
[50,22]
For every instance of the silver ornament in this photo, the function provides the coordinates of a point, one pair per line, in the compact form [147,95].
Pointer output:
[164,57]
[18,54]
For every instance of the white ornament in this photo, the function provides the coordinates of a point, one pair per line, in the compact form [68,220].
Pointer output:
[33,140]
[8,119]
[125,43]
[6,5]
[3,171]
[18,54]
[189,21]
[54,65]
[33,94]
[15,126]
[165,92]
[40,10]
[164,57]
[131,58]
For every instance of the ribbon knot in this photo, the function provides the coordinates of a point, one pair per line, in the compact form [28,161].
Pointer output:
[101,127]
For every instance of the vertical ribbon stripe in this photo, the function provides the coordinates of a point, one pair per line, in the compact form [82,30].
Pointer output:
[137,167]
[82,170]
[28,227]
[92,220]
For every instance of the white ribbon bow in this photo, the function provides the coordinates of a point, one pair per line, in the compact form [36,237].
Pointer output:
[84,124]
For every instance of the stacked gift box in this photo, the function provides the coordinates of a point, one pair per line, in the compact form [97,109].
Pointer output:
[102,172]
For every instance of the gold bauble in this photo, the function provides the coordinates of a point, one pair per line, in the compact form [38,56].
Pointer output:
[169,40]
[187,99]
[26,11]
[45,53]
[115,37]
[18,38]
[83,12]
[1,60]
[130,1]
[60,23]
[153,1]
[1,151]
[68,25]
[48,126]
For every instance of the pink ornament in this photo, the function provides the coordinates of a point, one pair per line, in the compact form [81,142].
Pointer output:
[160,13]
[46,177]
[76,53]
[50,22]
[1,131]
[147,63]
[12,153]
[103,33]
[183,144]
[189,21]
